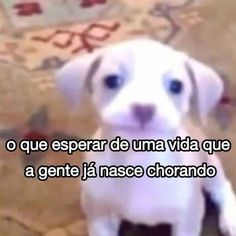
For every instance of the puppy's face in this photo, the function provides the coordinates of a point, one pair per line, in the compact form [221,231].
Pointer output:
[141,85]
[141,88]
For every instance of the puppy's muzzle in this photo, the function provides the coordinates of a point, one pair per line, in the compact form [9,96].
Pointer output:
[143,113]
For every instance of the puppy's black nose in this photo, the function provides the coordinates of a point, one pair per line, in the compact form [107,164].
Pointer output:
[143,113]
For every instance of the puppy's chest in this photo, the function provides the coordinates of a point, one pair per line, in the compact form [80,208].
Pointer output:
[146,200]
[143,199]
[151,200]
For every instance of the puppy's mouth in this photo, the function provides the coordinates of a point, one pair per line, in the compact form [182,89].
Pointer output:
[139,128]
[127,126]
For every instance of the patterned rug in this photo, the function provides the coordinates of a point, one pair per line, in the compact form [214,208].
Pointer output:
[39,36]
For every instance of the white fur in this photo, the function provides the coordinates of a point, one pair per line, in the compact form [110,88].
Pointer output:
[147,68]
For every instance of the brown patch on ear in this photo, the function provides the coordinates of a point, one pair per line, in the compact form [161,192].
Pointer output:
[194,98]
[91,72]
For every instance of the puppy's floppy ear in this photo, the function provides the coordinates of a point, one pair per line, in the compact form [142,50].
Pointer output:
[207,87]
[75,76]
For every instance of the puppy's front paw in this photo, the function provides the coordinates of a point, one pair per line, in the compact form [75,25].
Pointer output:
[228,223]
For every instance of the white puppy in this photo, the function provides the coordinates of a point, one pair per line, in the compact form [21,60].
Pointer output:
[142,89]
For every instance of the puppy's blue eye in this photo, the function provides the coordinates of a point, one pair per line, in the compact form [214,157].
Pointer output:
[176,86]
[113,81]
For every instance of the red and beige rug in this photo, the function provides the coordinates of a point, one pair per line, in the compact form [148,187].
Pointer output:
[39,36]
